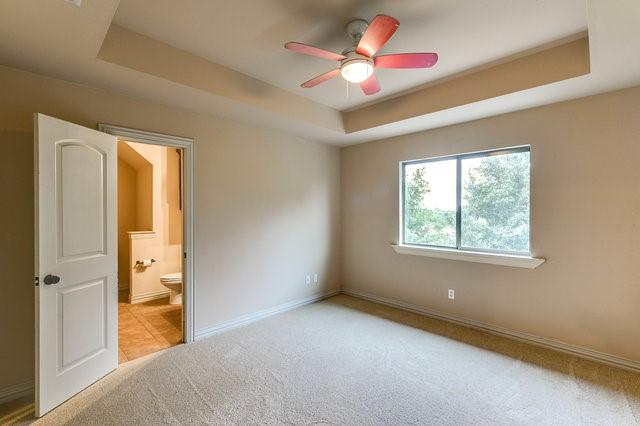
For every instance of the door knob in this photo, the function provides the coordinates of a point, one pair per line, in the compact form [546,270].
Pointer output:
[51,279]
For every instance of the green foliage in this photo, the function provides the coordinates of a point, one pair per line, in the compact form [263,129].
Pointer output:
[495,207]
[423,225]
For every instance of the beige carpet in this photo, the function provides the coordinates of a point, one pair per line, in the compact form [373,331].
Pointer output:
[347,361]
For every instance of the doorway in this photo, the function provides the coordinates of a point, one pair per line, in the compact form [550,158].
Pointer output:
[150,226]
[155,241]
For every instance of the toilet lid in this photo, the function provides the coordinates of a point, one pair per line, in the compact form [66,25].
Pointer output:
[172,278]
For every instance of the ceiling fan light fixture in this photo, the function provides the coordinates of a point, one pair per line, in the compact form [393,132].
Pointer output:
[356,70]
[357,63]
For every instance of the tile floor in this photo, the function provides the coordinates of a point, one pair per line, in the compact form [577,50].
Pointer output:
[147,327]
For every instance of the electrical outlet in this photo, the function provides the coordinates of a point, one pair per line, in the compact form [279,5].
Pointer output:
[315,278]
[452,294]
[307,279]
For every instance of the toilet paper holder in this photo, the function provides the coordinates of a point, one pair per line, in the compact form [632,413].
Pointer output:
[141,263]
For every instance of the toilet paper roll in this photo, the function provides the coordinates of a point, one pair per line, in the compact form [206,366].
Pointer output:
[146,262]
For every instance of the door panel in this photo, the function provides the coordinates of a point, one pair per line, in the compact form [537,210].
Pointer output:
[81,186]
[83,327]
[76,237]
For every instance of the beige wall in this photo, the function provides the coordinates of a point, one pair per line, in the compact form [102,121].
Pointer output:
[126,218]
[585,211]
[16,258]
[144,198]
[267,206]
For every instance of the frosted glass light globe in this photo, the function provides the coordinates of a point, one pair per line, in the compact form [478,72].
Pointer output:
[357,70]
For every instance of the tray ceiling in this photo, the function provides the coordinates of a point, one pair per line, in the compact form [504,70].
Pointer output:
[248,36]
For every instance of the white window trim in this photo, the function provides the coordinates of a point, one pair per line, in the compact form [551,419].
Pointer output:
[502,259]
[513,260]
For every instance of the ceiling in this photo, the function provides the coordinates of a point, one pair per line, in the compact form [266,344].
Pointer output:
[225,58]
[248,35]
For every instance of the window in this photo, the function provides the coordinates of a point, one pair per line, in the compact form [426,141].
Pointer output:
[473,202]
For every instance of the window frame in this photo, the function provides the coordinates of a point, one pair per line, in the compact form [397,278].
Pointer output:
[459,158]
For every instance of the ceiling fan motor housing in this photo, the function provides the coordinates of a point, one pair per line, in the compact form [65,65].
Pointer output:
[352,55]
[356,29]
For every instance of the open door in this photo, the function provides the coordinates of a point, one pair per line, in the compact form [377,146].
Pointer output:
[76,259]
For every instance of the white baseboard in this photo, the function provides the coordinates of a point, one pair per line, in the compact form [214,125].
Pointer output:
[16,391]
[544,342]
[249,318]
[150,295]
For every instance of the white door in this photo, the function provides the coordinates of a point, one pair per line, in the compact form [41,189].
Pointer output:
[76,259]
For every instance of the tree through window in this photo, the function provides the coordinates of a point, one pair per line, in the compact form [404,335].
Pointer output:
[476,201]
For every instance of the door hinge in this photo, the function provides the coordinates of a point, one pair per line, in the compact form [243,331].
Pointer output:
[185,254]
[36,281]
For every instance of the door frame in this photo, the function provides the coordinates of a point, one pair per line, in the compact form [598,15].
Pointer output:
[188,274]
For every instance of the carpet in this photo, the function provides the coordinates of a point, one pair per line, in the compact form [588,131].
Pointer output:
[350,361]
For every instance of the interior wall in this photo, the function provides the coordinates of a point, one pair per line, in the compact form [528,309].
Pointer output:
[585,207]
[267,206]
[17,255]
[126,218]
[144,198]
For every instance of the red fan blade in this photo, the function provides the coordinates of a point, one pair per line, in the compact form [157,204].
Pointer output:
[406,60]
[370,86]
[378,33]
[313,51]
[321,78]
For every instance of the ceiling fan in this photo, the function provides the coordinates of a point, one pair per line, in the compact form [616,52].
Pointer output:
[357,63]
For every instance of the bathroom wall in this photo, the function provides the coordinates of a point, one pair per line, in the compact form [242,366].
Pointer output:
[157,189]
[138,184]
[126,218]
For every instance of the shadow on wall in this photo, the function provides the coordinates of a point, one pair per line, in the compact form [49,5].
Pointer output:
[17,251]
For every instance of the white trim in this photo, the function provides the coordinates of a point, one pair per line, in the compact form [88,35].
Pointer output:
[188,194]
[544,342]
[143,136]
[514,260]
[141,235]
[150,295]
[249,318]
[16,391]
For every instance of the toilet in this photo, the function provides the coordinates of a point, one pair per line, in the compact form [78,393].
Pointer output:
[174,283]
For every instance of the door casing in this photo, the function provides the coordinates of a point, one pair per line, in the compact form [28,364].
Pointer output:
[188,274]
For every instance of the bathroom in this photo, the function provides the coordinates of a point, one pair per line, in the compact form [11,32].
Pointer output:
[150,249]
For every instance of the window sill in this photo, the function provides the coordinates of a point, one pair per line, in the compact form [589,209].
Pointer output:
[471,256]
